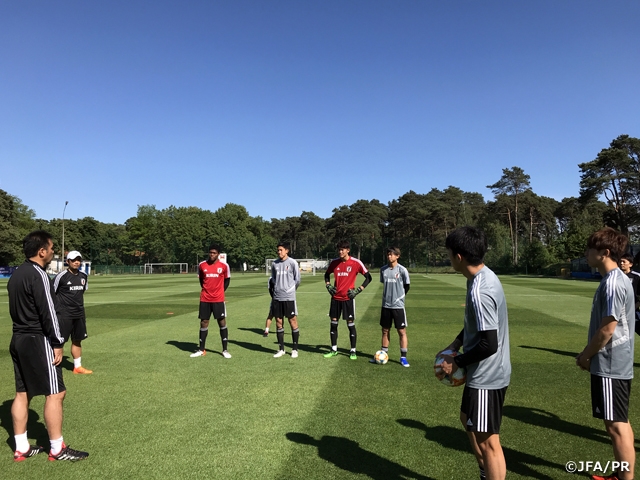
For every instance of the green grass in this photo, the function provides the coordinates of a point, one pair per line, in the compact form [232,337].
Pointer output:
[150,411]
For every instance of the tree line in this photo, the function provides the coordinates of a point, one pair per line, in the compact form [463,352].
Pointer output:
[525,230]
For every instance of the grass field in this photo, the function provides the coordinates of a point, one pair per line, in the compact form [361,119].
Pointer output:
[151,411]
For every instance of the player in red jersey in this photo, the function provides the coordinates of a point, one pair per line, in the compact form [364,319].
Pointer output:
[214,279]
[345,269]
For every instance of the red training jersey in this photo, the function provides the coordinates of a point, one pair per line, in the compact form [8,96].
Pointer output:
[345,274]
[212,280]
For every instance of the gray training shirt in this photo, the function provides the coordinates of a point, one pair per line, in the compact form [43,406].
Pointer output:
[394,280]
[286,278]
[614,298]
[486,309]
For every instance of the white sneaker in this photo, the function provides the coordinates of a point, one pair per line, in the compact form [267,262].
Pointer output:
[199,353]
[294,353]
[279,354]
[226,354]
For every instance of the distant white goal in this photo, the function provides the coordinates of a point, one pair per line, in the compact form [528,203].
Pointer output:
[166,268]
[307,265]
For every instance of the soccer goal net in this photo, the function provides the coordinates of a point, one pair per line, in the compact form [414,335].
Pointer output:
[307,265]
[166,268]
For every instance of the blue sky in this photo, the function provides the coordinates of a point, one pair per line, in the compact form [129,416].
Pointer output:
[286,107]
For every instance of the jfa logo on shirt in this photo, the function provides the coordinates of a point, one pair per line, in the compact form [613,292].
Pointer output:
[348,269]
[219,270]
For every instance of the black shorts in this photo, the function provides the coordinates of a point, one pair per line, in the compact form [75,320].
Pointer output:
[217,309]
[74,327]
[610,398]
[346,308]
[270,309]
[284,308]
[483,409]
[34,371]
[396,316]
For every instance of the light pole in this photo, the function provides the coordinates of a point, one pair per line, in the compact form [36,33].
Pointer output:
[63,210]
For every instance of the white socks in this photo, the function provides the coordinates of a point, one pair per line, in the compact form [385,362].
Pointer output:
[56,446]
[22,443]
[77,362]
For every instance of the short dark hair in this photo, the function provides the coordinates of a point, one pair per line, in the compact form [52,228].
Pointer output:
[628,257]
[214,246]
[394,250]
[343,244]
[32,243]
[609,239]
[285,245]
[468,242]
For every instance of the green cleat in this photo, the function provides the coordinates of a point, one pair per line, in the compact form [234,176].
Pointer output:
[330,354]
[353,356]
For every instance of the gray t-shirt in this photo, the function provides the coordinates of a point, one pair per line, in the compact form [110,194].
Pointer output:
[486,309]
[614,298]
[286,278]
[394,280]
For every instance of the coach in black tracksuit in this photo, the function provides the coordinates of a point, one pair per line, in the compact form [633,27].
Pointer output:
[36,349]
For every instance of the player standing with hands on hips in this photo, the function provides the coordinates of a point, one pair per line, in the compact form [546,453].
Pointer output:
[214,278]
[485,338]
[285,280]
[36,349]
[608,355]
[70,286]
[345,269]
[395,280]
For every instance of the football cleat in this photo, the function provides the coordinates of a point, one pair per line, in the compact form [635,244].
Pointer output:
[199,353]
[82,370]
[226,354]
[279,353]
[21,457]
[353,356]
[404,361]
[294,353]
[265,334]
[330,354]
[68,454]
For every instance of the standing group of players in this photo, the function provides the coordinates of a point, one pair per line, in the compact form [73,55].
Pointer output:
[214,278]
[46,313]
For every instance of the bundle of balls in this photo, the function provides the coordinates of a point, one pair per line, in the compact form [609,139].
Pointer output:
[457,378]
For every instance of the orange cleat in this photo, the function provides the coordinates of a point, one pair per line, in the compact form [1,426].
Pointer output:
[82,370]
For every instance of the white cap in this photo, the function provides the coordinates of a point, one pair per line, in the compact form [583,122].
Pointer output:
[73,254]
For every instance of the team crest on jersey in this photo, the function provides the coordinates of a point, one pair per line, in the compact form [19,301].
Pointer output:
[82,281]
[219,270]
[348,269]
[397,275]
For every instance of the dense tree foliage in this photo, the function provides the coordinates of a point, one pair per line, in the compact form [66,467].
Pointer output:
[526,231]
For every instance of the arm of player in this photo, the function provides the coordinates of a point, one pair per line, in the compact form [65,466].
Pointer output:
[227,281]
[45,303]
[406,288]
[598,341]
[367,281]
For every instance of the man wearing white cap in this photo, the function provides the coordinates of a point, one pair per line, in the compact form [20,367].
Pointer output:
[69,286]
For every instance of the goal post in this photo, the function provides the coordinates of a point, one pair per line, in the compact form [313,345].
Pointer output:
[152,268]
[307,265]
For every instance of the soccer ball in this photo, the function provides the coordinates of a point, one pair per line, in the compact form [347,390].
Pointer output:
[381,357]
[455,380]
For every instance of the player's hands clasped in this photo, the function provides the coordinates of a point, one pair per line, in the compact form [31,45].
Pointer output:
[331,289]
[353,292]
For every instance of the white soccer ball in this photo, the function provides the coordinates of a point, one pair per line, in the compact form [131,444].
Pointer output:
[381,357]
[455,380]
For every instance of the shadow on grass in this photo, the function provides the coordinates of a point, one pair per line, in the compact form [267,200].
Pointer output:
[560,352]
[258,331]
[184,346]
[348,455]
[252,346]
[542,418]
[66,364]
[36,429]
[456,439]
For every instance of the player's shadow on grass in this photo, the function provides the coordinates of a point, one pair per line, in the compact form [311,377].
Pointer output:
[66,364]
[348,455]
[542,418]
[252,346]
[560,352]
[184,346]
[36,429]
[258,331]
[456,439]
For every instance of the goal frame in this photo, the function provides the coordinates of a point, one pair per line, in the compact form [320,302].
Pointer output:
[148,267]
